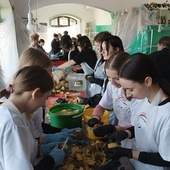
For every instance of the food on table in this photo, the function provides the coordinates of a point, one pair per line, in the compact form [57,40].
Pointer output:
[112,145]
[85,157]
[67,111]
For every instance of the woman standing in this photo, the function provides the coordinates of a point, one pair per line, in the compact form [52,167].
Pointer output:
[108,45]
[86,59]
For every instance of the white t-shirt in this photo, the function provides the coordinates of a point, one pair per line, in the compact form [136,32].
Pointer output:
[18,149]
[114,98]
[34,122]
[152,132]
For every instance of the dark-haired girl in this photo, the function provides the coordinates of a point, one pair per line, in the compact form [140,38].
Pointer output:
[151,119]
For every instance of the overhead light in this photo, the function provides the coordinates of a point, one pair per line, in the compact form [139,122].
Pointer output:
[30,25]
[37,29]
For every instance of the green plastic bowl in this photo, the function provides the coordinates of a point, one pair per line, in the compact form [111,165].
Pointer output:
[62,120]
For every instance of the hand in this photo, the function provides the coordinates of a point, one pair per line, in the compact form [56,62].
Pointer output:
[57,155]
[61,100]
[90,78]
[82,100]
[104,130]
[118,137]
[111,165]
[68,69]
[55,68]
[93,121]
[118,152]
[47,148]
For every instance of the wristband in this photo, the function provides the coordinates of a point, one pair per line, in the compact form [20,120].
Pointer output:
[97,117]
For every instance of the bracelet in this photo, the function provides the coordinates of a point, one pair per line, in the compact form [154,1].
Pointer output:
[97,117]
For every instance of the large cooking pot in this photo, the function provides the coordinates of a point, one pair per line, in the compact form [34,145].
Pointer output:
[66,115]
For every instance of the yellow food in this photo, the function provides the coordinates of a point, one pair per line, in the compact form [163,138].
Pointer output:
[85,157]
[112,145]
[62,88]
[68,111]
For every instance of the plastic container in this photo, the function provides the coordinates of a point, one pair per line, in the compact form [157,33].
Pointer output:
[60,119]
[77,82]
[88,131]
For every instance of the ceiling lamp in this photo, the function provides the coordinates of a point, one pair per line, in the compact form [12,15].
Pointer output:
[37,29]
[30,25]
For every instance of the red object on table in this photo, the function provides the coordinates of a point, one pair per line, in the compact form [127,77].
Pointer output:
[58,62]
[51,101]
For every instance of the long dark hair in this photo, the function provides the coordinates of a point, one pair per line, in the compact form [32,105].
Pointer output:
[115,42]
[140,66]
[101,36]
[84,42]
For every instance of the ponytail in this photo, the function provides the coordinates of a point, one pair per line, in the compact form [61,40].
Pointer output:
[165,86]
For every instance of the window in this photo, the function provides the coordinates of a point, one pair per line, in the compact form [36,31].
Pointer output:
[62,21]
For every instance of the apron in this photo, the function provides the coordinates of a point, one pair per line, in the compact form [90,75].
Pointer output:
[86,68]
[100,74]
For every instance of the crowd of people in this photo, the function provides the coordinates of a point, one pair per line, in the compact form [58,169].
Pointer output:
[134,88]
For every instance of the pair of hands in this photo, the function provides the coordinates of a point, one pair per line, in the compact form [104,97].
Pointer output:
[55,68]
[110,134]
[101,130]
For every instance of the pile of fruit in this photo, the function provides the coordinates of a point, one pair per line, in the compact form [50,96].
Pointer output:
[60,81]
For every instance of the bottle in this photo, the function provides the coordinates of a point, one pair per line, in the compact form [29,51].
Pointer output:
[163,20]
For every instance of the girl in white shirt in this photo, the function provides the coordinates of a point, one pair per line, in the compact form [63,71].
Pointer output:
[29,89]
[115,99]
[151,119]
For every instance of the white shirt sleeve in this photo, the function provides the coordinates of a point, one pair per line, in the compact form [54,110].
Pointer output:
[107,98]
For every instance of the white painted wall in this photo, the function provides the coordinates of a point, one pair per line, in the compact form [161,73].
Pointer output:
[102,17]
[76,10]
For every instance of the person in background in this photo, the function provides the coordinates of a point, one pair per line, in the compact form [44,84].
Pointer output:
[34,37]
[86,57]
[28,91]
[41,44]
[55,45]
[65,36]
[150,119]
[99,77]
[78,36]
[65,39]
[59,36]
[74,42]
[70,48]
[162,57]
[108,46]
